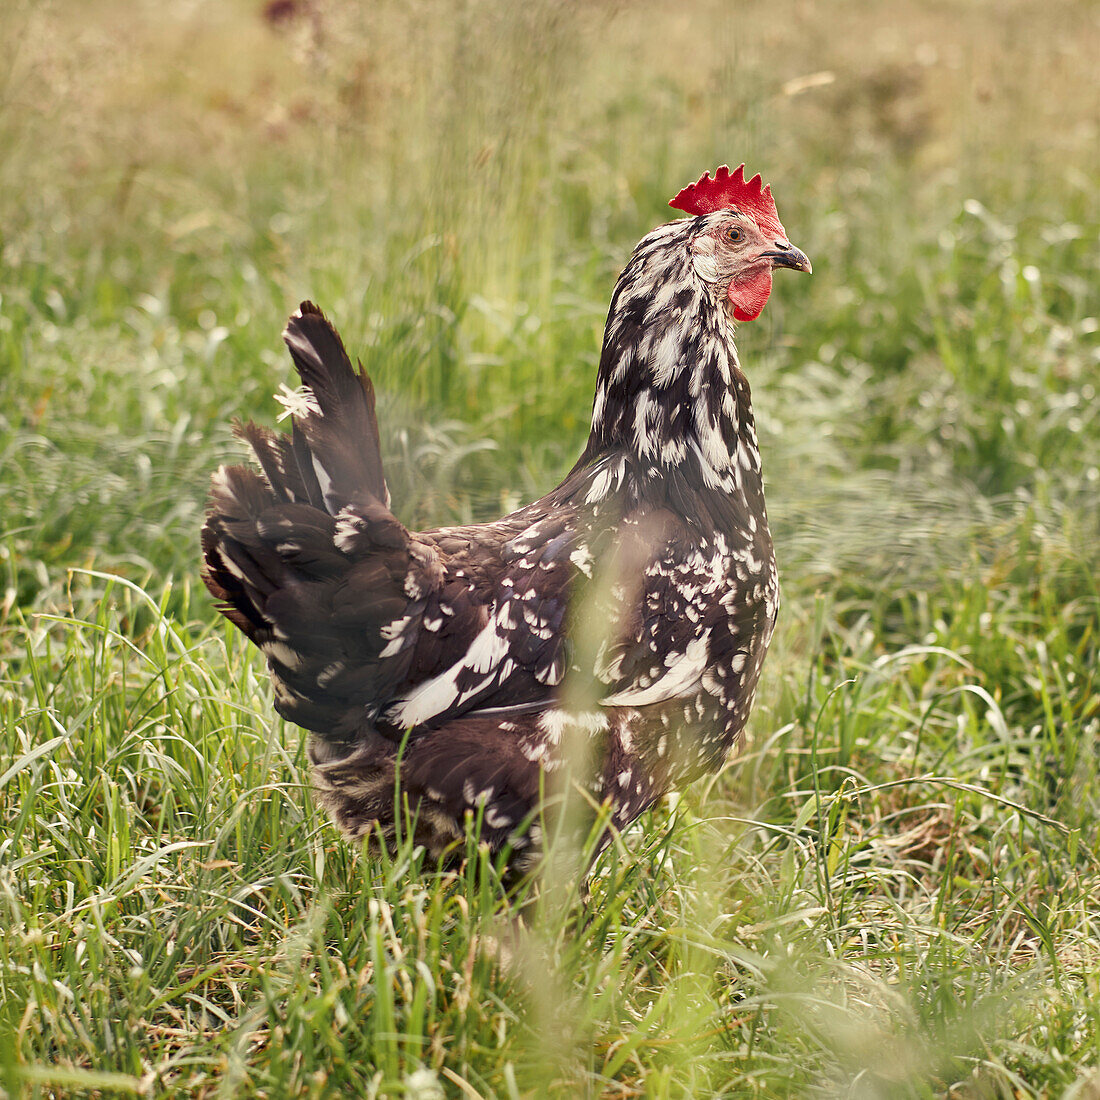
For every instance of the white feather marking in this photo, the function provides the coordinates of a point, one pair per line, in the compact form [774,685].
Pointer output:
[329,673]
[601,485]
[432,697]
[598,406]
[673,451]
[299,403]
[714,446]
[282,653]
[554,721]
[231,565]
[643,440]
[348,529]
[662,299]
[441,692]
[711,478]
[396,628]
[489,648]
[325,483]
[582,559]
[553,674]
[665,357]
[623,365]
[219,481]
[680,679]
[707,267]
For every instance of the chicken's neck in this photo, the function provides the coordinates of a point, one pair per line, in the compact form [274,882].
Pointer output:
[670,394]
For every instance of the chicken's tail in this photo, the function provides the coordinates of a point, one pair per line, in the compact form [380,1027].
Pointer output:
[307,558]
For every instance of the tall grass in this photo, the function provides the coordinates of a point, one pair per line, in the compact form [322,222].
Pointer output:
[892,891]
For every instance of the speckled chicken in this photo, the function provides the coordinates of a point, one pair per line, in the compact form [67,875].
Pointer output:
[628,611]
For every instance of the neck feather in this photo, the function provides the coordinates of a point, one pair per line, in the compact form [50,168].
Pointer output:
[670,394]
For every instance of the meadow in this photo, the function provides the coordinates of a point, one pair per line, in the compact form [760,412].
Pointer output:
[894,890]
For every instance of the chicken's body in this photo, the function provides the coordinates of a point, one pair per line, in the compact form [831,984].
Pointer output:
[438,662]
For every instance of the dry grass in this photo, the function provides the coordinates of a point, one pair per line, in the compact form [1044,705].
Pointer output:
[892,893]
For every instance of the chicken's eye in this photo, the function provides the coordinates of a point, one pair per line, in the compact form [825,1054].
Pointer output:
[735,233]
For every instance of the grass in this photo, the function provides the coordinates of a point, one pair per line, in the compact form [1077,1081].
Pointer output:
[892,891]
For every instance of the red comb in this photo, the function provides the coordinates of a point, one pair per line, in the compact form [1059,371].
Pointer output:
[731,189]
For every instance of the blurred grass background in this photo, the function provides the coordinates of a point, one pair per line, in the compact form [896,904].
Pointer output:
[893,893]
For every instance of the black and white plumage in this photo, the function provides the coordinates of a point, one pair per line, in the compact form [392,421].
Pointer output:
[453,647]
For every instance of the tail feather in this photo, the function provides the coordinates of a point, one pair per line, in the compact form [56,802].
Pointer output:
[234,569]
[276,457]
[306,558]
[337,419]
[301,460]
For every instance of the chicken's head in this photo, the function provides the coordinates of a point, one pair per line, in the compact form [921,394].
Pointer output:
[740,238]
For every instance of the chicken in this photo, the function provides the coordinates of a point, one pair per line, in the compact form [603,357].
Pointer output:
[627,612]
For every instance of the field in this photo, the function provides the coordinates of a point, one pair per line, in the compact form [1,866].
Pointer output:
[895,889]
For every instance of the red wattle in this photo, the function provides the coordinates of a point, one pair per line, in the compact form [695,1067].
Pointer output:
[749,294]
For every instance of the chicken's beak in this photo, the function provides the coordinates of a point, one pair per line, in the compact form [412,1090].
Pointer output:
[789,256]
